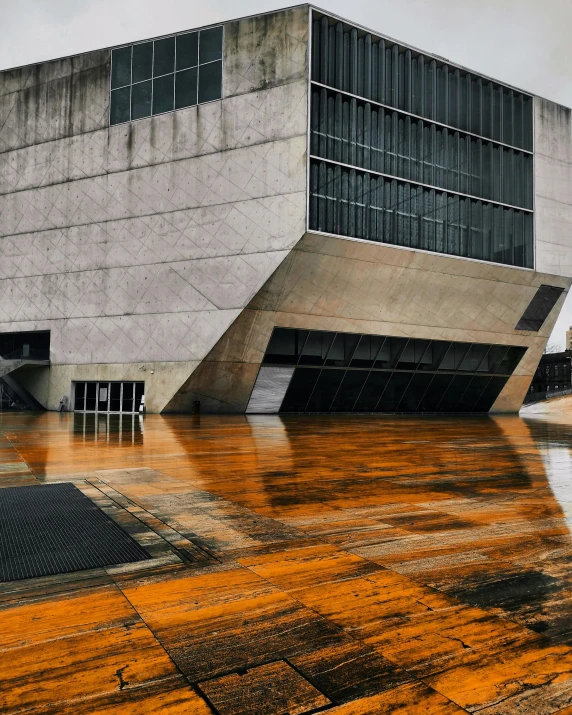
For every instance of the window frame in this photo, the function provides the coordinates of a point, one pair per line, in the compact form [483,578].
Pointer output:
[175,71]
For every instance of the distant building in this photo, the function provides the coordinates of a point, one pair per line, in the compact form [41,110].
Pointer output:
[553,373]
[569,339]
[282,213]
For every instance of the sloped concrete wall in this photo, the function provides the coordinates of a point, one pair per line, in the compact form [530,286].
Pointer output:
[346,285]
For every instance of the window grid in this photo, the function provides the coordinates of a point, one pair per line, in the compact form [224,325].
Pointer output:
[153,77]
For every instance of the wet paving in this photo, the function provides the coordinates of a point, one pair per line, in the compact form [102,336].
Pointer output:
[352,565]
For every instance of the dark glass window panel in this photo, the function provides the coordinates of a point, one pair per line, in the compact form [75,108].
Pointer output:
[472,393]
[115,397]
[342,350]
[210,82]
[139,392]
[186,88]
[141,100]
[210,45]
[490,394]
[299,389]
[282,348]
[495,357]
[433,355]
[325,390]
[79,396]
[454,356]
[120,105]
[510,360]
[434,393]
[366,351]
[316,347]
[414,392]
[121,67]
[187,50]
[539,308]
[349,390]
[164,59]
[91,396]
[452,395]
[164,94]
[473,358]
[372,391]
[142,61]
[127,405]
[394,391]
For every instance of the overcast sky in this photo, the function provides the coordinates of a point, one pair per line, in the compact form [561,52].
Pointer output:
[523,42]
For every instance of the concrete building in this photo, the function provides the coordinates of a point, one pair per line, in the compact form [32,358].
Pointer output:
[283,212]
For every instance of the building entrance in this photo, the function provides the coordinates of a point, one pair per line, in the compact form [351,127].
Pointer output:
[122,397]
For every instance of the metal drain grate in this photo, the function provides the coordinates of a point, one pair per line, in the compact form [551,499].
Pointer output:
[55,528]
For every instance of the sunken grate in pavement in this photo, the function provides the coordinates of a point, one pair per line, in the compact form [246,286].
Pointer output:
[55,529]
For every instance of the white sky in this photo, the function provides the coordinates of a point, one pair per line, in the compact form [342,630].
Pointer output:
[523,42]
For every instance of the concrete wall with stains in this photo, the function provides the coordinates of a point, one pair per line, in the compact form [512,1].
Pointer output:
[138,245]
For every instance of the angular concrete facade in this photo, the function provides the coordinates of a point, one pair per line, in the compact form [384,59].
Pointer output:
[167,249]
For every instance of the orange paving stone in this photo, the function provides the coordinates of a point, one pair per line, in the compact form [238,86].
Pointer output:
[361,565]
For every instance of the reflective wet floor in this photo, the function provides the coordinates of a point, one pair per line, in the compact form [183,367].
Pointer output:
[352,565]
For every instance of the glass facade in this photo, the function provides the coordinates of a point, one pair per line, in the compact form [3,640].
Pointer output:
[408,150]
[350,372]
[163,75]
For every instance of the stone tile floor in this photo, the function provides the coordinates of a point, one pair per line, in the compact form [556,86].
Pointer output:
[352,565]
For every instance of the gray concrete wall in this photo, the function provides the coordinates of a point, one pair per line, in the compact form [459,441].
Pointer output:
[140,244]
[553,187]
[354,286]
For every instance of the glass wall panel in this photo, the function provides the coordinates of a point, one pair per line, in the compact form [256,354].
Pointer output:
[414,392]
[121,67]
[349,390]
[402,375]
[187,50]
[416,150]
[142,67]
[372,391]
[325,390]
[375,208]
[299,390]
[380,70]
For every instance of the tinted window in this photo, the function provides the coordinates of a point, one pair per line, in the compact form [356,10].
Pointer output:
[164,61]
[163,94]
[141,100]
[142,61]
[186,88]
[121,105]
[210,82]
[210,46]
[121,67]
[187,50]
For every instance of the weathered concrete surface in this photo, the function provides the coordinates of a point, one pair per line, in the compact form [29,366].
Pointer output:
[337,284]
[141,243]
[553,187]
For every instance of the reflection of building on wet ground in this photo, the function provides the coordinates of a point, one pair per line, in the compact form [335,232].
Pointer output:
[280,213]
[366,564]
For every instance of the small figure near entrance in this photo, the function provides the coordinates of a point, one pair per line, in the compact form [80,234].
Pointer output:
[63,403]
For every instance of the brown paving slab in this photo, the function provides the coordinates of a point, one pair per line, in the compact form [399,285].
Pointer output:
[413,699]
[172,696]
[272,689]
[479,680]
[298,568]
[216,623]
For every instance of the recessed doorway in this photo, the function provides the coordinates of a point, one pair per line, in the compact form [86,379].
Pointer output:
[121,397]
